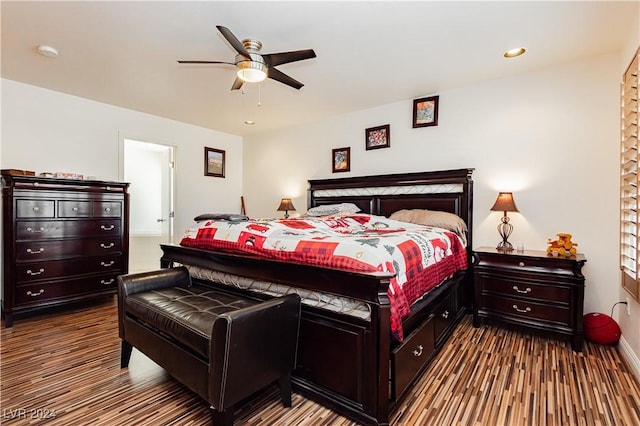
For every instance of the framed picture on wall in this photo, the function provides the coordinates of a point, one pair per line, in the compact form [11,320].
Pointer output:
[425,112]
[214,162]
[341,160]
[377,137]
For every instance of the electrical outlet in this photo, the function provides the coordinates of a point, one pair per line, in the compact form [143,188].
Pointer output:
[628,306]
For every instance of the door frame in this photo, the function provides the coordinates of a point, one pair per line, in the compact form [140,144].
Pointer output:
[172,196]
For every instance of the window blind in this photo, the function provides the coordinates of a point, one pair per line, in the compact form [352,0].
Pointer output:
[629,223]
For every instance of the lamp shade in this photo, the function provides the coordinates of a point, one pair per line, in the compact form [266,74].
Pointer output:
[504,203]
[286,205]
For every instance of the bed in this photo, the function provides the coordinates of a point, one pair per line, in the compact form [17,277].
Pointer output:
[351,359]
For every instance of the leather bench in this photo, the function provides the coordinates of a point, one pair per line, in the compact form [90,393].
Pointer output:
[222,346]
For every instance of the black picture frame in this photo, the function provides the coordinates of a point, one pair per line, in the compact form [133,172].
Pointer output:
[377,137]
[341,160]
[214,162]
[425,111]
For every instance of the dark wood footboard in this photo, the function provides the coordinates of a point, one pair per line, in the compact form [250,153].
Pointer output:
[350,365]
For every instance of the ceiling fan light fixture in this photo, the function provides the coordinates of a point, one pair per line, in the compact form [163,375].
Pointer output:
[251,71]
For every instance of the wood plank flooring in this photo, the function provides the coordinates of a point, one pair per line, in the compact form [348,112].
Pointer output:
[64,369]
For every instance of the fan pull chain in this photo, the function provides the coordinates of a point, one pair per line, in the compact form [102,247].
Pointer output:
[259,94]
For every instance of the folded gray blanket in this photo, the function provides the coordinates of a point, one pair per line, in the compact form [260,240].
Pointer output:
[231,217]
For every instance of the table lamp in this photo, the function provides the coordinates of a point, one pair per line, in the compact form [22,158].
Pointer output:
[504,203]
[285,206]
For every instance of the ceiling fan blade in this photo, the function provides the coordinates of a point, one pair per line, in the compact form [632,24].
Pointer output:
[275,59]
[277,75]
[233,40]
[237,83]
[205,62]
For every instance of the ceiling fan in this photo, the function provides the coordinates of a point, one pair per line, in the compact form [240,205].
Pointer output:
[252,66]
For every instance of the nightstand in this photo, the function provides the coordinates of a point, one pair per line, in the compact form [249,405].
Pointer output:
[531,289]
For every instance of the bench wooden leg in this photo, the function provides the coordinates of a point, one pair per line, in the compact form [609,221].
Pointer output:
[221,418]
[284,383]
[125,354]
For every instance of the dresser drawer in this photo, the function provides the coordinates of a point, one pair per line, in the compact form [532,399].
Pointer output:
[508,286]
[444,315]
[542,265]
[517,262]
[31,230]
[52,290]
[35,271]
[35,208]
[408,359]
[49,250]
[74,208]
[526,309]
[107,209]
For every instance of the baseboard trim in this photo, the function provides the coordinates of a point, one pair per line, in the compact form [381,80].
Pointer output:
[632,359]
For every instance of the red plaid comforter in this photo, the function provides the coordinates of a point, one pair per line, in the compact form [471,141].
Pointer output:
[421,257]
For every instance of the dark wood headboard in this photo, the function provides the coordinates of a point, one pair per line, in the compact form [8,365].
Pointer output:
[446,190]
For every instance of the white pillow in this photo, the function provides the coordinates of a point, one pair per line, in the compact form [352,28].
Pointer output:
[333,209]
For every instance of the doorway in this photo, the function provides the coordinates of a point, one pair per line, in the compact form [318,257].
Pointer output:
[149,168]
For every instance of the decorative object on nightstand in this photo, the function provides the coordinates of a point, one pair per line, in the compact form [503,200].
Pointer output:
[285,206]
[563,246]
[531,289]
[505,203]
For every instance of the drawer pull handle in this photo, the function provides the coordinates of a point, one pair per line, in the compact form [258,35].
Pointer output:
[418,351]
[445,314]
[107,246]
[75,209]
[40,250]
[35,231]
[36,209]
[107,228]
[107,209]
[527,309]
[107,282]
[107,264]
[30,272]
[40,293]
[521,264]
[525,291]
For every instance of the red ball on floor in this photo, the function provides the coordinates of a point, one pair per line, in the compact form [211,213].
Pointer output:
[601,329]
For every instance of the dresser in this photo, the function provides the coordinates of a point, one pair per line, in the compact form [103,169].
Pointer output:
[532,289]
[64,241]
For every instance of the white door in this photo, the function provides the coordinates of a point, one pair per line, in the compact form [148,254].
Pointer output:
[148,167]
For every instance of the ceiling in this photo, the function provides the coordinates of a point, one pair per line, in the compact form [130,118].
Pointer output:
[368,53]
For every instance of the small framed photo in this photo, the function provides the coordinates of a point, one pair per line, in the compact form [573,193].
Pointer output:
[425,112]
[377,137]
[341,160]
[214,162]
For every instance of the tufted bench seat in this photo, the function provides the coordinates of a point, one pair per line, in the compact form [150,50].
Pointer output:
[222,346]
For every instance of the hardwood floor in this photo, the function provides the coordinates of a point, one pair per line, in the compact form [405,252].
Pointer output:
[64,369]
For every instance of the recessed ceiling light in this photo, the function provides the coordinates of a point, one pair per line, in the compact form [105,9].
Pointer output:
[514,52]
[48,51]
[249,122]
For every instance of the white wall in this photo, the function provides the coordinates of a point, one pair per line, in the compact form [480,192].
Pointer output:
[43,130]
[551,136]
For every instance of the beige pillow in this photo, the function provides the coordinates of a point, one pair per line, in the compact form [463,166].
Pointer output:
[435,218]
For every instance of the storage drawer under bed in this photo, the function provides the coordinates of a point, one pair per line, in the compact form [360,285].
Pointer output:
[408,359]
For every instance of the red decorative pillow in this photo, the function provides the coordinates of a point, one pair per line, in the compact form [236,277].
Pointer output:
[601,329]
